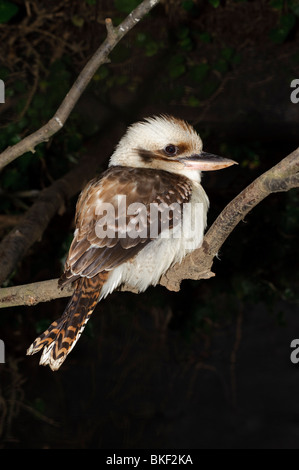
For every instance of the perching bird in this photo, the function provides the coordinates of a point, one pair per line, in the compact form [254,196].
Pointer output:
[132,223]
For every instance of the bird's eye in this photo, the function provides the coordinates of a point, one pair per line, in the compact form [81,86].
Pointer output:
[170,149]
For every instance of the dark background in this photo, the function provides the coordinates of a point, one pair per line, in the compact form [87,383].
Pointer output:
[208,367]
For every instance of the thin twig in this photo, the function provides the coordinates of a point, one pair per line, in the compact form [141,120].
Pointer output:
[32,91]
[55,124]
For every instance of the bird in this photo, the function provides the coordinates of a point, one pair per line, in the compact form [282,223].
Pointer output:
[132,223]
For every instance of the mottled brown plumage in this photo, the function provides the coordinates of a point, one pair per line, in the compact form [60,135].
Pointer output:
[89,254]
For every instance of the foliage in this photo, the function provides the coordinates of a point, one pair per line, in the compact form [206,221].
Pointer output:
[7,11]
[32,167]
[126,6]
[289,10]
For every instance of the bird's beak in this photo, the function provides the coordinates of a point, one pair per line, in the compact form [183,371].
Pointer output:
[206,162]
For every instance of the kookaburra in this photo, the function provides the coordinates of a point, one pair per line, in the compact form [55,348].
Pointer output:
[132,223]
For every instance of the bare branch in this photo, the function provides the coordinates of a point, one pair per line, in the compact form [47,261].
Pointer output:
[111,33]
[114,35]
[196,265]
[32,294]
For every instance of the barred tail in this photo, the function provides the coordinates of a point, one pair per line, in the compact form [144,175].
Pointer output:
[62,335]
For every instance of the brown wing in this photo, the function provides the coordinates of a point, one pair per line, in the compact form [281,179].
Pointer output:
[114,221]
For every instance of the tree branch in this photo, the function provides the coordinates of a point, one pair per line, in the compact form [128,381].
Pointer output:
[32,294]
[197,265]
[55,124]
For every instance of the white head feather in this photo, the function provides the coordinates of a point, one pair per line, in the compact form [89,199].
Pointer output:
[152,135]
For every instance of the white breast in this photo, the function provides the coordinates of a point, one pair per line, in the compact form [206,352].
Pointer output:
[157,256]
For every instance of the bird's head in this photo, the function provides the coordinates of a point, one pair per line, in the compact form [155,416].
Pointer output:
[166,143]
